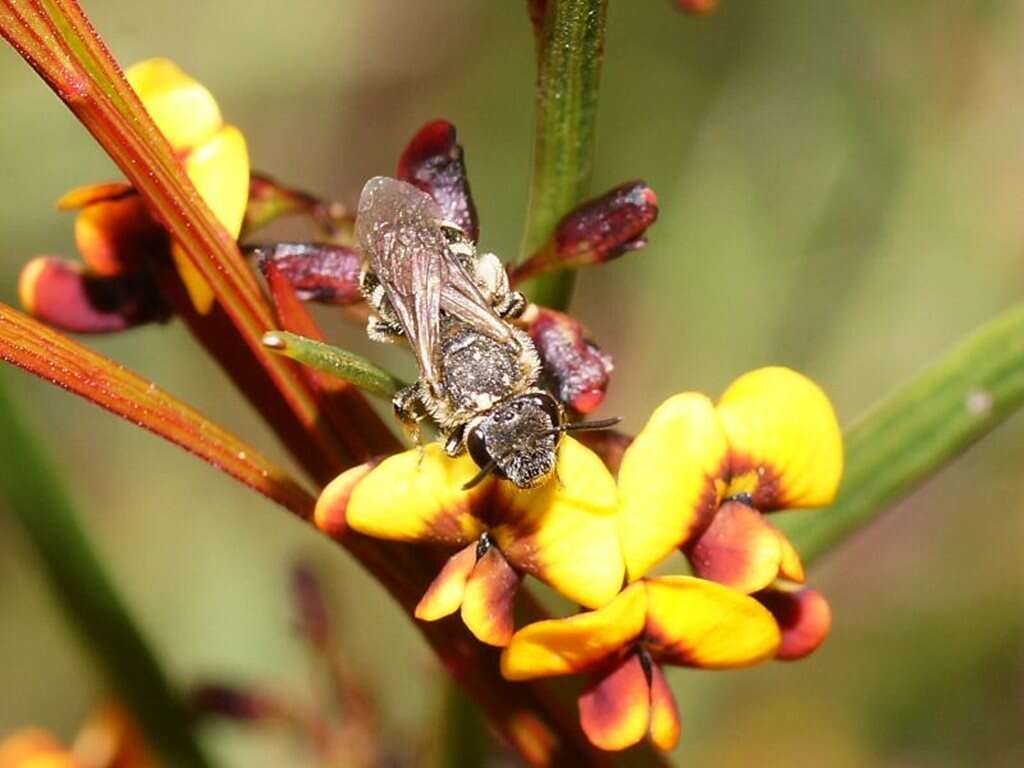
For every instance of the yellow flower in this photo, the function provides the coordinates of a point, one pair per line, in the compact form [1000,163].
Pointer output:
[114,230]
[34,748]
[675,620]
[564,533]
[699,475]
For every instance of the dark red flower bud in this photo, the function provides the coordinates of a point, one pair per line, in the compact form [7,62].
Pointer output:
[433,162]
[575,370]
[319,272]
[64,296]
[598,231]
[696,7]
[310,607]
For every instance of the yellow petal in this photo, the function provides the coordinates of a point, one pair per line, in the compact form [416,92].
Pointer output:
[581,642]
[669,480]
[116,235]
[219,169]
[566,531]
[615,711]
[487,603]
[697,623]
[331,512]
[34,748]
[784,439]
[444,595]
[199,291]
[417,496]
[183,109]
[790,566]
[79,197]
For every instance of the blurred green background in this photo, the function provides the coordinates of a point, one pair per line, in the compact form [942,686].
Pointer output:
[842,189]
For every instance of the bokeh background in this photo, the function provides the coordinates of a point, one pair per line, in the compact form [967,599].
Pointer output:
[842,189]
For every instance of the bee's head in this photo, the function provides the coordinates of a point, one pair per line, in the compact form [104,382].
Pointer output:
[517,440]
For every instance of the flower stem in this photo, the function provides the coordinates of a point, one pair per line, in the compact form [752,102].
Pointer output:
[29,487]
[570,49]
[920,428]
[338,362]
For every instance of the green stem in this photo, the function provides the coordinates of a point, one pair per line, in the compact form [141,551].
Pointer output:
[335,361]
[921,427]
[570,49]
[29,487]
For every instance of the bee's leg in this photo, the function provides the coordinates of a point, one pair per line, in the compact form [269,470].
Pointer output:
[493,281]
[454,443]
[386,331]
[410,411]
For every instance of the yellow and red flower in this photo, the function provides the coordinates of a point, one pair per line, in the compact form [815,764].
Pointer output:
[564,533]
[674,620]
[115,232]
[700,475]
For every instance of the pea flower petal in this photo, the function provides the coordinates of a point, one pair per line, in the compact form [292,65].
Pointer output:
[739,549]
[446,592]
[182,108]
[665,725]
[615,710]
[670,479]
[566,531]
[34,748]
[578,643]
[417,496]
[804,618]
[697,623]
[784,439]
[488,598]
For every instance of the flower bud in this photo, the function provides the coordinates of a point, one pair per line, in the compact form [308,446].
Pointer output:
[328,274]
[598,231]
[433,162]
[575,369]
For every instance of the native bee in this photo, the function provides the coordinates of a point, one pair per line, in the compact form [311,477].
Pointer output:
[426,283]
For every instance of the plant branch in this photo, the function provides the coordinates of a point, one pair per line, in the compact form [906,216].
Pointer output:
[29,486]
[920,428]
[570,49]
[56,358]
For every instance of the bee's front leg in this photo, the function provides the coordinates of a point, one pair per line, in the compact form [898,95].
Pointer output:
[410,411]
[454,443]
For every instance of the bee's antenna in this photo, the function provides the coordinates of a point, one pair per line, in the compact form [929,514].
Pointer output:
[584,426]
[480,476]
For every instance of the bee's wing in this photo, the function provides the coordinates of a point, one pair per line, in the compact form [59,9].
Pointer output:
[398,229]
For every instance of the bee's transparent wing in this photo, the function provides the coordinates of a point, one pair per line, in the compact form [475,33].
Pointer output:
[397,226]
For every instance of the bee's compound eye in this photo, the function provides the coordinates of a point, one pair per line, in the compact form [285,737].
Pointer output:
[477,447]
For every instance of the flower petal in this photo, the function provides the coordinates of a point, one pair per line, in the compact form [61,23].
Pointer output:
[331,512]
[219,169]
[62,295]
[115,236]
[615,711]
[665,725]
[445,593]
[183,109]
[803,615]
[739,549]
[784,439]
[80,197]
[697,623]
[566,531]
[578,643]
[417,496]
[790,565]
[669,480]
[488,601]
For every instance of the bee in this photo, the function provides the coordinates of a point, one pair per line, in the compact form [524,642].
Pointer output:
[425,283]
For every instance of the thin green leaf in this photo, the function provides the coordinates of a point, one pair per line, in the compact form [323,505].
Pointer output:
[570,49]
[338,362]
[56,358]
[919,429]
[30,488]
